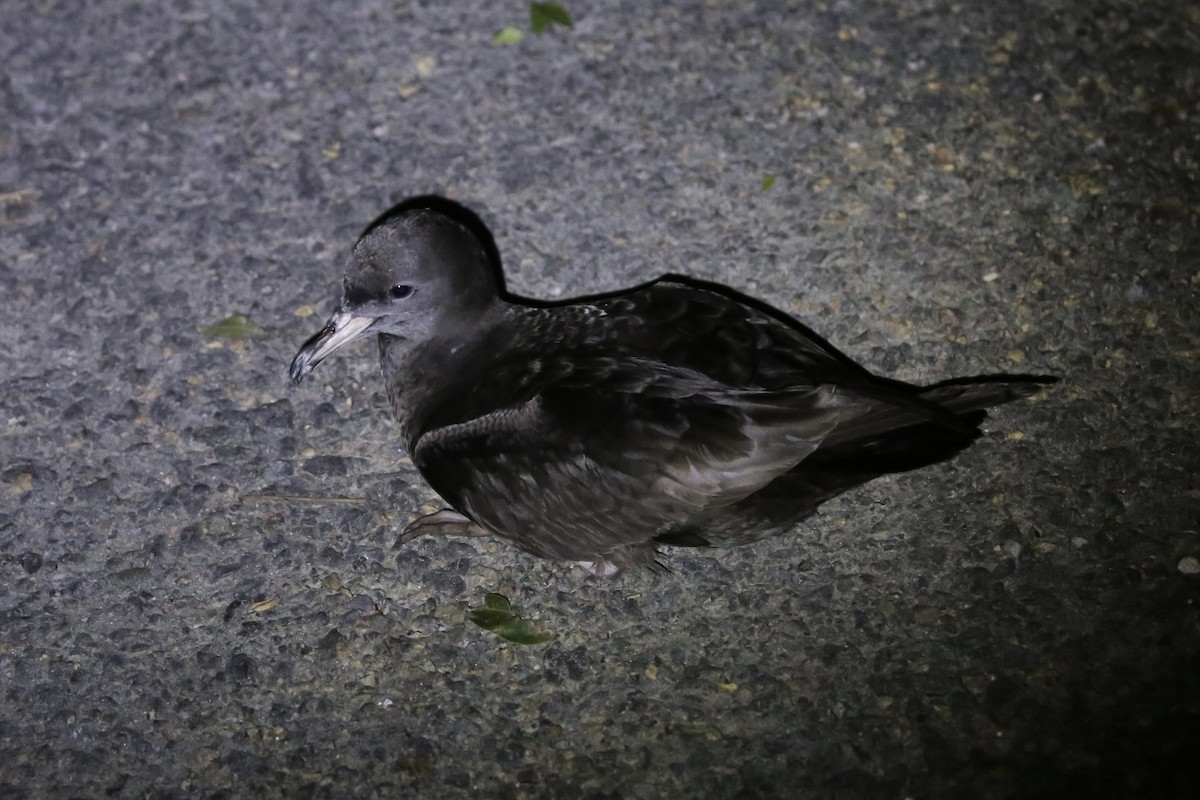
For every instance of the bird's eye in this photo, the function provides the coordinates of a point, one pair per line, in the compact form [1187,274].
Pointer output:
[400,291]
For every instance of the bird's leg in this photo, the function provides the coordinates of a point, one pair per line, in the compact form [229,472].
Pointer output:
[446,522]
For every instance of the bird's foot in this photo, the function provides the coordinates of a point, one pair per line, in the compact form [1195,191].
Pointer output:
[446,522]
[624,558]
[600,567]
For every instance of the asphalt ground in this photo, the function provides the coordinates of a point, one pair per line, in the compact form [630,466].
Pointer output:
[200,595]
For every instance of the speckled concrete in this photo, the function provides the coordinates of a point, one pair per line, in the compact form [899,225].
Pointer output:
[960,188]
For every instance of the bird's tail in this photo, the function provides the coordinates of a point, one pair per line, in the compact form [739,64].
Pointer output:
[901,438]
[960,395]
[912,427]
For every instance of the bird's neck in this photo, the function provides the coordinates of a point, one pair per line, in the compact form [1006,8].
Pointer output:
[425,376]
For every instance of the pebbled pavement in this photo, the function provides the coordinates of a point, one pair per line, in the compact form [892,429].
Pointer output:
[199,594]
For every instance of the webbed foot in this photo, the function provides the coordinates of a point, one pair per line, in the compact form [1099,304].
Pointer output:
[446,522]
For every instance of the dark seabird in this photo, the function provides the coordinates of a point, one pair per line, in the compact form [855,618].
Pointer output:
[678,412]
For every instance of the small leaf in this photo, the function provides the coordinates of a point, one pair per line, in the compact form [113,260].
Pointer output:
[522,631]
[768,181]
[508,35]
[490,618]
[496,601]
[543,15]
[496,616]
[235,326]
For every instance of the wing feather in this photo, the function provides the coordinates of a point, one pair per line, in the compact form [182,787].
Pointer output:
[617,450]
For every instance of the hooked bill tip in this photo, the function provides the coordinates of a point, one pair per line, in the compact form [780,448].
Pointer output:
[304,362]
[299,369]
[341,329]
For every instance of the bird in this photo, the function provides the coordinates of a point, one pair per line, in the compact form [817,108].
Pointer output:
[597,430]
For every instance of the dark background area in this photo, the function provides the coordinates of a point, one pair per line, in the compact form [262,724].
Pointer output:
[960,188]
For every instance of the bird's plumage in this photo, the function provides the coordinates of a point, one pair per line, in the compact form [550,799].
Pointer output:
[677,412]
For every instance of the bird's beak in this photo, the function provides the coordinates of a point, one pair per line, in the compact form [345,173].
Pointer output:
[342,328]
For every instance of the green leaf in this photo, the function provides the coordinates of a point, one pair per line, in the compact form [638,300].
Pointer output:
[496,616]
[768,181]
[235,326]
[490,618]
[522,631]
[497,601]
[508,35]
[543,15]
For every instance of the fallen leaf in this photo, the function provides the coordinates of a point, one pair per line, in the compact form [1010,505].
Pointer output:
[543,15]
[508,35]
[496,616]
[235,326]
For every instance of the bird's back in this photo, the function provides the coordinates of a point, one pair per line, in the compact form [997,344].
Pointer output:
[672,413]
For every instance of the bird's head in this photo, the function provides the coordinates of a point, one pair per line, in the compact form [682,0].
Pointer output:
[414,274]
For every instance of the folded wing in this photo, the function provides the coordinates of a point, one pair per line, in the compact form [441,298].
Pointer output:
[621,449]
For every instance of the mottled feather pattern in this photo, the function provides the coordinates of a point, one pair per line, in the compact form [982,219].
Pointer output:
[677,412]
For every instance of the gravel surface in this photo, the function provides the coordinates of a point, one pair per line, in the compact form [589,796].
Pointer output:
[200,594]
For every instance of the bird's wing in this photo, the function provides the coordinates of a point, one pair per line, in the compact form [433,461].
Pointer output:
[618,449]
[740,341]
[726,335]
